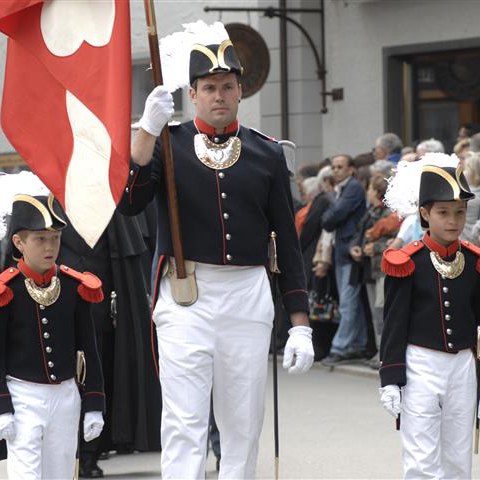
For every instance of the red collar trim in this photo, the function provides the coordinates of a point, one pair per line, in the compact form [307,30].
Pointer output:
[210,131]
[38,278]
[440,249]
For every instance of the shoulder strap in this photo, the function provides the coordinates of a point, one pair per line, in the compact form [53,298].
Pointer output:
[398,263]
[90,288]
[6,294]
[262,135]
[474,249]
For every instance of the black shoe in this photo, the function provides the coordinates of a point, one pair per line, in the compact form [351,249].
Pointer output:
[90,469]
[104,456]
[124,449]
[217,464]
[336,359]
[332,360]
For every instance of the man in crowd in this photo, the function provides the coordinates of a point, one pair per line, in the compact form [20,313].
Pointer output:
[342,217]
[233,190]
[388,147]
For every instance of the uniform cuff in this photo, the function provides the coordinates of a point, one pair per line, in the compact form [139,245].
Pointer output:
[138,175]
[93,402]
[393,375]
[6,405]
[295,301]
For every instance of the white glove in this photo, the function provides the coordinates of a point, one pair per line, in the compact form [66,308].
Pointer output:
[92,425]
[298,353]
[391,399]
[158,110]
[7,427]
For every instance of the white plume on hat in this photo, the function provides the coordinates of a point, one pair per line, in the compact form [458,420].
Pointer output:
[404,186]
[175,50]
[14,184]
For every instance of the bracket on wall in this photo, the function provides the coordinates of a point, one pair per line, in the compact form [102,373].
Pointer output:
[272,12]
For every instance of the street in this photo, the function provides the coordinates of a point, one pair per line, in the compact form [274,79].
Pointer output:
[331,426]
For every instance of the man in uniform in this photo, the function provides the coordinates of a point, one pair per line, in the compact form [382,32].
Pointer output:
[233,190]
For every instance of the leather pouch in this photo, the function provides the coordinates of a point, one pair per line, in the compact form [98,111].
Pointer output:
[184,290]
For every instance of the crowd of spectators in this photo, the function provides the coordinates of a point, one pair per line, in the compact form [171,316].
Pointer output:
[344,228]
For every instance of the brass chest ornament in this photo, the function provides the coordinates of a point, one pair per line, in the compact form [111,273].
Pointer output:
[217,156]
[45,296]
[451,269]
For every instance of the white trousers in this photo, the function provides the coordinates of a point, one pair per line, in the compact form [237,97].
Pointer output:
[46,423]
[220,343]
[438,412]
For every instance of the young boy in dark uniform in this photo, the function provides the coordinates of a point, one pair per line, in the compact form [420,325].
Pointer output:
[432,310]
[44,321]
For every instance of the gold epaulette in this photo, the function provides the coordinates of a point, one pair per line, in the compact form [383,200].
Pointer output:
[6,294]
[90,288]
[398,263]
[474,249]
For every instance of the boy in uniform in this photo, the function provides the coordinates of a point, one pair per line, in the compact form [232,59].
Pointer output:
[44,321]
[431,314]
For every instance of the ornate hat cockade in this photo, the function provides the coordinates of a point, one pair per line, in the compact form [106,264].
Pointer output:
[442,184]
[210,59]
[35,213]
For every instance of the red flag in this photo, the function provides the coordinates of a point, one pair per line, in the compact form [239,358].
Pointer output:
[66,101]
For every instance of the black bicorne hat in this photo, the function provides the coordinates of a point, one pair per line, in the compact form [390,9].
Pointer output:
[442,184]
[209,59]
[35,213]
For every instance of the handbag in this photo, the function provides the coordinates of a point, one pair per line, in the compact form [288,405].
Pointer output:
[322,308]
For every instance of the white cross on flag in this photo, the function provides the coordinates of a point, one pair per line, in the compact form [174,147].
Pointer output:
[66,101]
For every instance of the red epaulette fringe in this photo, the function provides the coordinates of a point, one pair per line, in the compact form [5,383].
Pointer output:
[89,294]
[6,295]
[398,263]
[474,249]
[90,288]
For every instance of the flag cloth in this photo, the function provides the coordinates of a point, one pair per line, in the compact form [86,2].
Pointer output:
[66,104]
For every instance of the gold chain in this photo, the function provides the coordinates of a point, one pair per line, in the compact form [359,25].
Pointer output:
[44,296]
[451,269]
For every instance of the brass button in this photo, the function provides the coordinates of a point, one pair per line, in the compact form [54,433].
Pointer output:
[42,307]
[446,303]
[131,172]
[445,289]
[127,189]
[45,321]
[48,349]
[450,345]
[46,335]
[50,364]
[224,195]
[228,236]
[449,331]
[221,174]
[11,270]
[229,257]
[448,318]
[226,216]
[216,139]
[53,377]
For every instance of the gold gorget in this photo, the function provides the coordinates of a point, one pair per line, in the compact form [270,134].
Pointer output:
[45,296]
[217,156]
[451,269]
